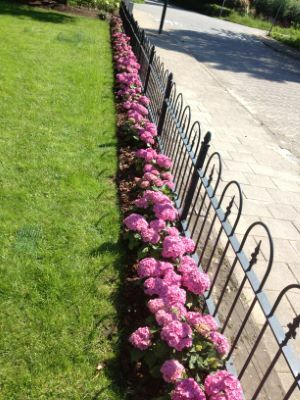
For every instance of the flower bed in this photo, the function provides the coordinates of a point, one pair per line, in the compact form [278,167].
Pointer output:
[174,343]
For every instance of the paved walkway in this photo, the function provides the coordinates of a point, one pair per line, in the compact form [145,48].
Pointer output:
[248,95]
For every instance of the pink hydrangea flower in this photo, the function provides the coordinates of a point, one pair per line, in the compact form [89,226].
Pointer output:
[189,245]
[171,278]
[148,168]
[147,154]
[126,105]
[172,295]
[144,184]
[169,184]
[188,389]
[164,266]
[205,323]
[177,335]
[187,264]
[149,235]
[149,176]
[141,203]
[158,182]
[172,231]
[153,286]
[155,304]
[220,342]
[163,317]
[146,137]
[135,222]
[141,338]
[144,100]
[151,127]
[143,131]
[172,370]
[163,161]
[139,108]
[158,224]
[196,282]
[167,212]
[156,197]
[155,172]
[147,267]
[167,175]
[172,247]
[179,310]
[222,386]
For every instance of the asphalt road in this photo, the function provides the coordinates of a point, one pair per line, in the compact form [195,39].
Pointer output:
[266,82]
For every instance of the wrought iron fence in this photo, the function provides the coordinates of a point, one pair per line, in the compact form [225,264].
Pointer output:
[262,353]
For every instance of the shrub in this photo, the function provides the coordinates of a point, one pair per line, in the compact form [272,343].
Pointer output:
[105,5]
[292,11]
[289,9]
[202,5]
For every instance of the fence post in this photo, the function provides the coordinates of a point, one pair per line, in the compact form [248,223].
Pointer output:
[164,104]
[163,15]
[152,54]
[141,44]
[194,180]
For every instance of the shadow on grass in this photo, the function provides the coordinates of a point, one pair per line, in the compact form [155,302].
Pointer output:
[105,326]
[107,247]
[107,145]
[19,10]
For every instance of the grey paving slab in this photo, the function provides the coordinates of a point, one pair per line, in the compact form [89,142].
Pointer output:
[265,82]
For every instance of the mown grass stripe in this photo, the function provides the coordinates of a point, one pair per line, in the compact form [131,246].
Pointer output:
[59,250]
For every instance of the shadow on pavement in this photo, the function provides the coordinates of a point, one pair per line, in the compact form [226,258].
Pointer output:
[227,50]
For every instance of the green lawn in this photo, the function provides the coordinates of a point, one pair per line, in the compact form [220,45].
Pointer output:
[59,251]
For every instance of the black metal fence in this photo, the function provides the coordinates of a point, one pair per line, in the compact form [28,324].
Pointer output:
[263,353]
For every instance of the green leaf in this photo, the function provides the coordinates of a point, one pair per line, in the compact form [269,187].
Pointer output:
[199,347]
[162,350]
[150,320]
[155,371]
[192,361]
[150,359]
[145,250]
[136,355]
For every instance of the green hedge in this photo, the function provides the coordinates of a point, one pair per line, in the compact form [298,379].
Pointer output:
[289,12]
[105,5]
[201,5]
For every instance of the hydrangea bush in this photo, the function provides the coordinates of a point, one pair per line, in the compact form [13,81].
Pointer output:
[178,343]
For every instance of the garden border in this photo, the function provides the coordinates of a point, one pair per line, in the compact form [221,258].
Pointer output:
[196,184]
